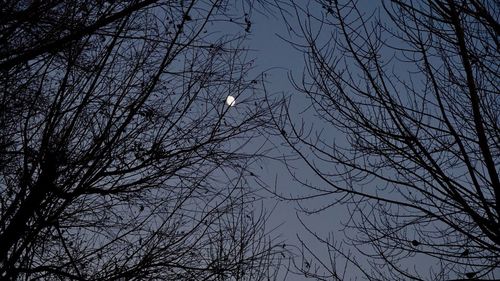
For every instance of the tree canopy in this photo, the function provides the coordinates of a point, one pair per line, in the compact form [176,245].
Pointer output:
[116,158]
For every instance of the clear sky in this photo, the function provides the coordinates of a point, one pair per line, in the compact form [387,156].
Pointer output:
[280,61]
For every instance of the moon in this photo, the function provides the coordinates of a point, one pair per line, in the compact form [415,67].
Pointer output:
[230,101]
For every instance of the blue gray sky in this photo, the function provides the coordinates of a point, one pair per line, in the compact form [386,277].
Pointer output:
[281,61]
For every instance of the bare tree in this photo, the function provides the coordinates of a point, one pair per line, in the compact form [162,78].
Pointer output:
[408,93]
[118,156]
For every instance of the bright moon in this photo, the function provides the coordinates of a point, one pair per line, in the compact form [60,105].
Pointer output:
[230,100]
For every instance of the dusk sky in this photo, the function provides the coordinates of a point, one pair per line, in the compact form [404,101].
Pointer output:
[250,140]
[281,61]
